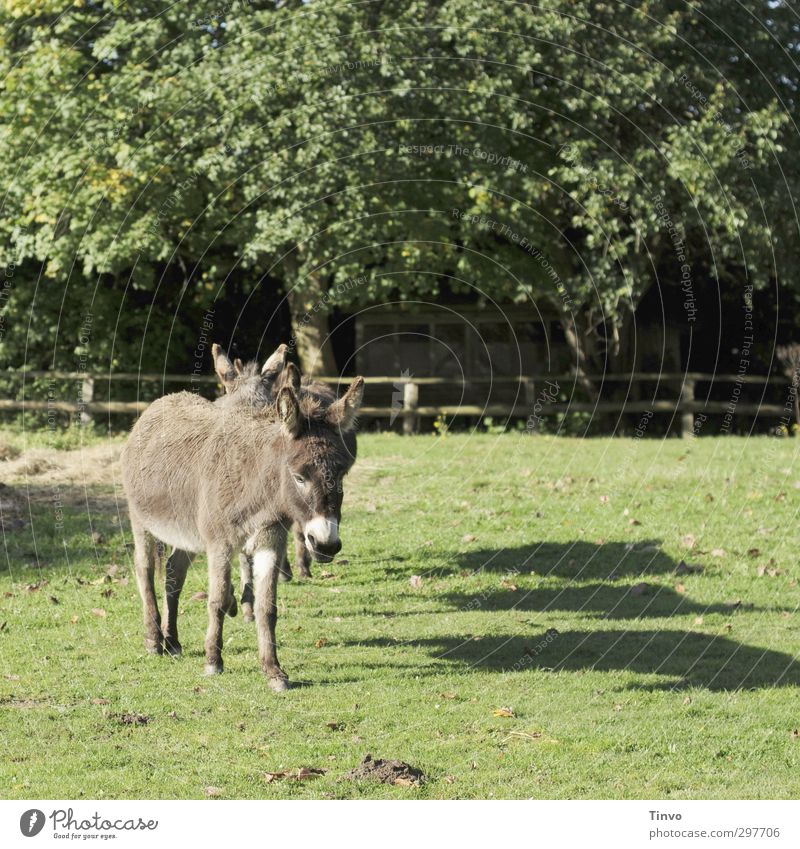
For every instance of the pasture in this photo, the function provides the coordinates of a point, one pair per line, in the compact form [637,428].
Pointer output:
[481,576]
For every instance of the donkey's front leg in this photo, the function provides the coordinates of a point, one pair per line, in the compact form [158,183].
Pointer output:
[267,562]
[219,599]
[144,558]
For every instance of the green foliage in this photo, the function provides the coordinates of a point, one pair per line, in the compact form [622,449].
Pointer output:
[514,151]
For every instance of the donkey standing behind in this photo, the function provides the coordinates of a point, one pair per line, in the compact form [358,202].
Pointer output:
[247,386]
[199,477]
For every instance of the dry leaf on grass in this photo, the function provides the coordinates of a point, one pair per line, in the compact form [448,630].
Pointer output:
[321,642]
[98,611]
[200,596]
[679,588]
[213,792]
[503,711]
[688,541]
[300,774]
[448,695]
[99,701]
[753,552]
[415,581]
[468,538]
[717,552]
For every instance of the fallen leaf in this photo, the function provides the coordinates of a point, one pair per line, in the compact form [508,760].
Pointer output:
[468,538]
[503,711]
[296,775]
[11,677]
[717,552]
[698,620]
[448,695]
[98,611]
[326,575]
[200,596]
[73,619]
[688,541]
[415,581]
[679,588]
[507,585]
[99,701]
[617,708]
[687,701]
[213,792]
[753,552]
[604,499]
[98,538]
[449,779]
[321,642]
[634,522]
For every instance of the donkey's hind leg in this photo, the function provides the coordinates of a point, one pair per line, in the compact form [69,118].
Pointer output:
[144,560]
[302,559]
[177,566]
[246,578]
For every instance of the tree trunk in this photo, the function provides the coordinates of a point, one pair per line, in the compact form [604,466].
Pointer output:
[579,344]
[310,336]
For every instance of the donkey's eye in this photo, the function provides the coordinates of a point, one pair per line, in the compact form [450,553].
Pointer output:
[299,480]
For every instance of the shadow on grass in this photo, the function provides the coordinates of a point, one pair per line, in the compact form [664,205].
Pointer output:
[576,559]
[605,601]
[692,659]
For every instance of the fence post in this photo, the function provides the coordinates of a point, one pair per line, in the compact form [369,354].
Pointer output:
[687,416]
[410,404]
[87,396]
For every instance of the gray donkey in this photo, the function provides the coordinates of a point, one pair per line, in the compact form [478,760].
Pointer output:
[247,385]
[199,476]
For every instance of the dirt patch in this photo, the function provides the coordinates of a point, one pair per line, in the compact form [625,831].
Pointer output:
[132,719]
[387,772]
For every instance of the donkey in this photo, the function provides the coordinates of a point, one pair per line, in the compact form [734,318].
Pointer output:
[246,385]
[200,477]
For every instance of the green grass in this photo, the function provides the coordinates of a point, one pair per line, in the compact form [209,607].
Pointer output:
[689,690]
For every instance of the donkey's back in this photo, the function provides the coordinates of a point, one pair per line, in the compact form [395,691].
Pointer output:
[163,466]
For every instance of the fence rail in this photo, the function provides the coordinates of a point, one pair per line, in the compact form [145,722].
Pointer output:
[684,406]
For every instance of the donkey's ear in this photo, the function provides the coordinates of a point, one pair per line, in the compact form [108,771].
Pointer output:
[224,368]
[290,376]
[342,413]
[276,363]
[238,365]
[289,412]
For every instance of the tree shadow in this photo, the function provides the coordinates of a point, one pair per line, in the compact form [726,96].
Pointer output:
[575,559]
[690,659]
[605,601]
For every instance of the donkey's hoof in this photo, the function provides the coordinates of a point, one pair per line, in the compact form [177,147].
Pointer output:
[278,683]
[173,647]
[233,608]
[213,669]
[153,647]
[284,576]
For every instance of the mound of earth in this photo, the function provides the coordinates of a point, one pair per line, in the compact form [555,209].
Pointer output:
[387,772]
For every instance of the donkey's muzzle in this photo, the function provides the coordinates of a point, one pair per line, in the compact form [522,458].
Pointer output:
[323,552]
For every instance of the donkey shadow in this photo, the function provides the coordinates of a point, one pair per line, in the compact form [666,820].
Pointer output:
[691,659]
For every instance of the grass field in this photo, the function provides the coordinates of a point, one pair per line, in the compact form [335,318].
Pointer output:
[527,551]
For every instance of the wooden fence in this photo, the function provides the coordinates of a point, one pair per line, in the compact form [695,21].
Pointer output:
[684,406]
